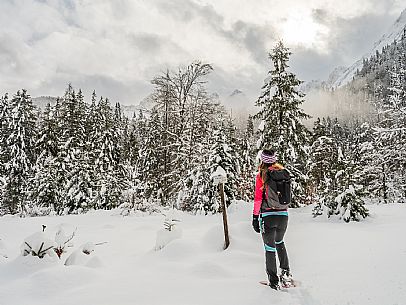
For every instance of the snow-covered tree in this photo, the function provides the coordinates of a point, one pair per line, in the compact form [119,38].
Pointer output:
[391,138]
[319,129]
[338,178]
[348,201]
[72,155]
[178,98]
[150,159]
[108,171]
[247,153]
[364,150]
[325,156]
[4,132]
[199,194]
[222,154]
[20,156]
[280,112]
[46,188]
[282,118]
[45,183]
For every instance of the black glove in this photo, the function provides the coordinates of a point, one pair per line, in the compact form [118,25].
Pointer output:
[255,223]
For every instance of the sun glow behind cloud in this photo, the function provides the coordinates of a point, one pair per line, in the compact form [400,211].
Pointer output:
[301,29]
[116,47]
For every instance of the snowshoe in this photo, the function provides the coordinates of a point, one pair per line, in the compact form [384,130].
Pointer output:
[276,286]
[286,279]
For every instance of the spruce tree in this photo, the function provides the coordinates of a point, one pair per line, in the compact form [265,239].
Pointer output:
[109,175]
[281,119]
[248,166]
[198,194]
[222,154]
[150,158]
[364,149]
[4,148]
[322,168]
[46,188]
[72,152]
[21,154]
[46,183]
[390,139]
[319,129]
[47,143]
[4,132]
[348,203]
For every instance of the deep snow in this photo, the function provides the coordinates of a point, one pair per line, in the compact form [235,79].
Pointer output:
[337,263]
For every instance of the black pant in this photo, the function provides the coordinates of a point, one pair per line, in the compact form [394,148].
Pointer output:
[273,230]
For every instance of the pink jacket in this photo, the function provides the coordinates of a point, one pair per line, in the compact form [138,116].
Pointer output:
[259,189]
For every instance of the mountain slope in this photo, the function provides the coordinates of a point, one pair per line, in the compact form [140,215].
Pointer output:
[394,33]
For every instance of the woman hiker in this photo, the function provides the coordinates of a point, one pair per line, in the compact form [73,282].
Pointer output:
[272,224]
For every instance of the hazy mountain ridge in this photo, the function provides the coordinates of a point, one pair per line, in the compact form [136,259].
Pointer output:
[236,101]
[394,33]
[42,101]
[128,110]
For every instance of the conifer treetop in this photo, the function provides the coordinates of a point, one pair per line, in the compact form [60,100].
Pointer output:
[280,100]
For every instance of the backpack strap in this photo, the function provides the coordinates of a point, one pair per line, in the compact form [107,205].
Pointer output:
[264,188]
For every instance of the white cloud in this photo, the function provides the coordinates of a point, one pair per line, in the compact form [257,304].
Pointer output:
[117,46]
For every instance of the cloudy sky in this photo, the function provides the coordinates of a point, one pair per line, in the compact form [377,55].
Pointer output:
[117,46]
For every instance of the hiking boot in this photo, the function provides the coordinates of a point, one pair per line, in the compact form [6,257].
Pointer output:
[275,286]
[286,278]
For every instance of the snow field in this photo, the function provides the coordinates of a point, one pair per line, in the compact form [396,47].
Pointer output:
[338,263]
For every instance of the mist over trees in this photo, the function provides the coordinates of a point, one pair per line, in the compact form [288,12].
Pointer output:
[367,138]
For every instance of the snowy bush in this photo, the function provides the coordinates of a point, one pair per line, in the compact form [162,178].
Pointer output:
[169,233]
[38,244]
[350,205]
[165,236]
[133,203]
[33,210]
[84,256]
[198,194]
[63,239]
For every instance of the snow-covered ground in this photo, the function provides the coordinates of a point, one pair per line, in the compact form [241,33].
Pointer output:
[337,263]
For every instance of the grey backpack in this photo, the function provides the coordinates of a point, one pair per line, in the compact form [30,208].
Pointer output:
[277,190]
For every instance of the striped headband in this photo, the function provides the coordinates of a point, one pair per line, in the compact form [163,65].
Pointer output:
[268,158]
